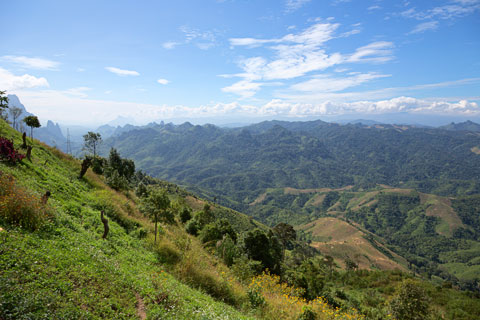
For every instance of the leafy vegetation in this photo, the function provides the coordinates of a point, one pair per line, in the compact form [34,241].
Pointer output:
[63,268]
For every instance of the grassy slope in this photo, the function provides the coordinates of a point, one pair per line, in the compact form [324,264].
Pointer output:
[328,233]
[341,240]
[66,271]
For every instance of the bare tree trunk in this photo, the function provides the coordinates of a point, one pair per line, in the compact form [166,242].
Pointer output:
[85,165]
[24,137]
[105,225]
[29,153]
[45,197]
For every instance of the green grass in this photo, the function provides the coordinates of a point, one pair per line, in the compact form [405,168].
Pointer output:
[64,270]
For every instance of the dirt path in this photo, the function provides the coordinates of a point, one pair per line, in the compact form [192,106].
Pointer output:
[140,307]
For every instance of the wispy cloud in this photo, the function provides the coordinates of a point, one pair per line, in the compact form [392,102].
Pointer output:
[163,81]
[425,26]
[243,88]
[78,91]
[170,45]
[32,63]
[453,10]
[325,83]
[375,7]
[384,93]
[203,40]
[296,55]
[122,72]
[293,5]
[380,51]
[9,81]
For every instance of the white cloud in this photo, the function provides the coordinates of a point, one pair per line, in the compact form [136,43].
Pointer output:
[375,7]
[279,107]
[422,27]
[458,9]
[202,39]
[32,63]
[244,88]
[170,45]
[163,81]
[78,91]
[385,93]
[381,51]
[122,72]
[333,84]
[296,55]
[60,106]
[293,5]
[9,81]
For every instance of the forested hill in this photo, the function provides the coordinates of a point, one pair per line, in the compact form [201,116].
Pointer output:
[240,163]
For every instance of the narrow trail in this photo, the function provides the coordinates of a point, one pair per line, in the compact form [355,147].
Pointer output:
[140,307]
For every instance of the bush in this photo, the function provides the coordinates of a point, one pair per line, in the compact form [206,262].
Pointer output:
[185,215]
[192,227]
[255,298]
[8,152]
[167,252]
[20,207]
[98,164]
[307,314]
[410,302]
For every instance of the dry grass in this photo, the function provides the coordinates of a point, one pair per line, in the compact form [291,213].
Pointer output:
[442,208]
[344,240]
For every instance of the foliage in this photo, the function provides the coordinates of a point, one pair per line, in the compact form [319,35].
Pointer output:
[3,103]
[20,207]
[8,152]
[91,142]
[410,302]
[264,248]
[32,122]
[119,172]
[185,214]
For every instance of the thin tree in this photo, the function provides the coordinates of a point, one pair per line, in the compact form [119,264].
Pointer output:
[32,122]
[3,102]
[91,142]
[15,112]
[156,205]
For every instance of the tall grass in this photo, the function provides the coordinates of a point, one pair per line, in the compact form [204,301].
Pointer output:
[21,207]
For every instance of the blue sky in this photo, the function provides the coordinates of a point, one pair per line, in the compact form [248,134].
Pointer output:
[88,62]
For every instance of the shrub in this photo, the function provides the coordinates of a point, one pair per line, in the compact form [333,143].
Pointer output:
[167,252]
[410,302]
[20,207]
[255,298]
[185,215]
[8,152]
[192,227]
[307,314]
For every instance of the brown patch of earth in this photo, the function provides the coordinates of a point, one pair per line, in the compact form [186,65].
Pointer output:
[140,307]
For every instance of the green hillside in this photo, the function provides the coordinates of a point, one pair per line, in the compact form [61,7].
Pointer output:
[236,165]
[54,263]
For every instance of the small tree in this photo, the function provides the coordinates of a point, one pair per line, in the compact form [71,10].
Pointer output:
[410,302]
[3,103]
[15,112]
[156,206]
[91,142]
[32,122]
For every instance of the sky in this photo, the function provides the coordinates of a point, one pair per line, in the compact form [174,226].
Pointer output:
[90,62]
